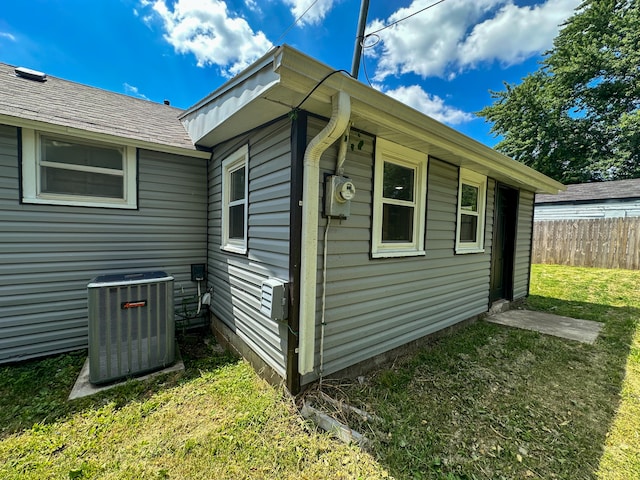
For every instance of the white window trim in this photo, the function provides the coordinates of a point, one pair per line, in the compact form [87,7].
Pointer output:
[235,161]
[400,155]
[479,181]
[31,164]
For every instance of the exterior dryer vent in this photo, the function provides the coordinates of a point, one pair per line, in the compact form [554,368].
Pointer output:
[273,302]
[131,325]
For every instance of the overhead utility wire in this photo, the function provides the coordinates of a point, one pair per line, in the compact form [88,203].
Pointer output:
[366,74]
[295,22]
[403,19]
[318,85]
[375,34]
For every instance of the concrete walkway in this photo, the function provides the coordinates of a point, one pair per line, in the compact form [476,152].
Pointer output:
[585,331]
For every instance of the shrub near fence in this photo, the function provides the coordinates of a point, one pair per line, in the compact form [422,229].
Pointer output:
[602,243]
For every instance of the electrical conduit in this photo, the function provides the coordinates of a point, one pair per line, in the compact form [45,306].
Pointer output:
[334,130]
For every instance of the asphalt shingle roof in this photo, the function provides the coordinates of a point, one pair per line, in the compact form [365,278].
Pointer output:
[580,192]
[61,102]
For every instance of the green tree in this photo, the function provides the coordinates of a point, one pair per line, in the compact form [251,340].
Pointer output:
[577,118]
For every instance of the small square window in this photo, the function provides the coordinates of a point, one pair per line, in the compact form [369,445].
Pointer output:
[472,192]
[62,170]
[234,203]
[399,201]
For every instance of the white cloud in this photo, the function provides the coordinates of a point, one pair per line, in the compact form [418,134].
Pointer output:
[7,35]
[206,29]
[516,33]
[425,44]
[431,105]
[457,34]
[315,13]
[133,91]
[252,5]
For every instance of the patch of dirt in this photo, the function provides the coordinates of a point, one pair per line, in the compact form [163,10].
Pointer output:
[197,344]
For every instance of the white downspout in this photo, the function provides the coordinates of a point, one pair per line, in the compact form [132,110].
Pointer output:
[341,113]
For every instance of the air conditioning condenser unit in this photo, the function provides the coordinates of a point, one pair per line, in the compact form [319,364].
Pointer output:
[131,325]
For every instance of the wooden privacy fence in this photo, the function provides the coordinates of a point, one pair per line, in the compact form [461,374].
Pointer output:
[602,243]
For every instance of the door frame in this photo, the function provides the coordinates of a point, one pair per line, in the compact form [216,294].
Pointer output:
[504,238]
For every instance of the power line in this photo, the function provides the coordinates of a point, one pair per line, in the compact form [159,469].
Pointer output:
[364,68]
[405,18]
[318,85]
[295,22]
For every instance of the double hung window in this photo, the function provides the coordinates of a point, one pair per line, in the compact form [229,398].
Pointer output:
[472,192]
[399,201]
[234,203]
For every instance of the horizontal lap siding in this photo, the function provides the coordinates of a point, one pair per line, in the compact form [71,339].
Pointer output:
[523,245]
[375,305]
[237,279]
[48,254]
[614,208]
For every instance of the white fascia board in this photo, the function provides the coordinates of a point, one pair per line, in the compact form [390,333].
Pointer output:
[474,155]
[301,73]
[231,98]
[212,115]
[101,137]
[233,83]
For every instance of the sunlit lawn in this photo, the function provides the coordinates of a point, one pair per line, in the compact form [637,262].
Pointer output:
[488,402]
[496,402]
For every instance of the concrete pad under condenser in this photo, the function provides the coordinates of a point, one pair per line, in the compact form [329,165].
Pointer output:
[84,388]
[585,331]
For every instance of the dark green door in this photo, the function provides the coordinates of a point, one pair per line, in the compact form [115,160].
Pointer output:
[504,242]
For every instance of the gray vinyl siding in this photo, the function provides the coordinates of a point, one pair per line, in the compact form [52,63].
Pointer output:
[597,209]
[375,305]
[524,232]
[237,279]
[48,254]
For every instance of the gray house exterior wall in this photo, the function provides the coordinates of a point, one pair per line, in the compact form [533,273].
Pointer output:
[49,253]
[375,305]
[371,305]
[237,279]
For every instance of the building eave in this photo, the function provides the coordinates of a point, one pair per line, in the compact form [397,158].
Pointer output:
[278,82]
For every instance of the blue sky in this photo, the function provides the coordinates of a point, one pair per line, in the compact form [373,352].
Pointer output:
[442,61]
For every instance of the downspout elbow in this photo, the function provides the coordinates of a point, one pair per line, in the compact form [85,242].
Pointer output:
[340,116]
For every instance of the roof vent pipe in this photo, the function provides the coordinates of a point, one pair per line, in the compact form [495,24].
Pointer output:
[341,113]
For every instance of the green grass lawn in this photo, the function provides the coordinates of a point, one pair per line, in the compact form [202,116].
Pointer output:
[218,420]
[495,402]
[489,402]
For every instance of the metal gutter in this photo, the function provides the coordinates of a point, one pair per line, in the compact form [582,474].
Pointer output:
[300,72]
